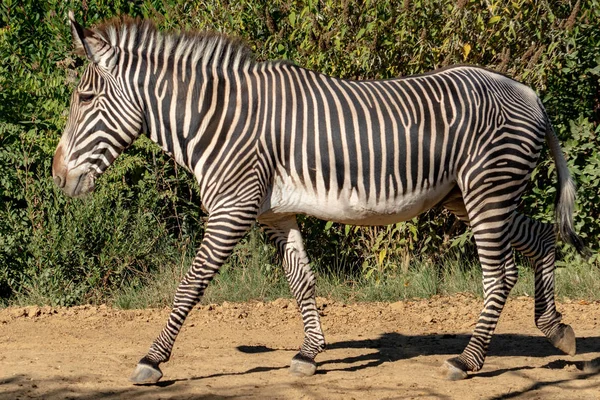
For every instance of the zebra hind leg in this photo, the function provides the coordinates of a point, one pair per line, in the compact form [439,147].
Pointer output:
[221,235]
[490,229]
[498,281]
[536,240]
[286,236]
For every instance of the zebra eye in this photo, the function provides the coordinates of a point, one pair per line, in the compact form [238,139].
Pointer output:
[86,97]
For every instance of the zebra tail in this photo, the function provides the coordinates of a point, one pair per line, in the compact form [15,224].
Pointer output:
[565,194]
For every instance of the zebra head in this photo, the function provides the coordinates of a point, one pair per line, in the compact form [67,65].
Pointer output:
[104,118]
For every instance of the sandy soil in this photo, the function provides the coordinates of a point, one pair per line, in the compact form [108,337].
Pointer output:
[375,351]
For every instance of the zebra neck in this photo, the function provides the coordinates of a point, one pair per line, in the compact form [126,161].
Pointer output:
[191,113]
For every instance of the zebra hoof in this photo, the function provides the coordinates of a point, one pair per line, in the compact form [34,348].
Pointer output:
[592,367]
[563,339]
[302,366]
[454,370]
[144,374]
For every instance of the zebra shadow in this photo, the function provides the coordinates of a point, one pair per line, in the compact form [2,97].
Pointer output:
[390,347]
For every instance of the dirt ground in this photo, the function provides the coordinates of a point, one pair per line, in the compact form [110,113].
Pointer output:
[375,351]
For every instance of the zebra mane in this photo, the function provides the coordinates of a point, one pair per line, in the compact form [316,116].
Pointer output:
[129,34]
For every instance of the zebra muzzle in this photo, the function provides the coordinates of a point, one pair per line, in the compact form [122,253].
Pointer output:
[59,169]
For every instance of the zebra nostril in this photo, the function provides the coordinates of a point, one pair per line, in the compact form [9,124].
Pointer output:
[59,181]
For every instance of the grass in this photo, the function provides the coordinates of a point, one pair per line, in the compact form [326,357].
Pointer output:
[578,281]
[252,275]
[254,272]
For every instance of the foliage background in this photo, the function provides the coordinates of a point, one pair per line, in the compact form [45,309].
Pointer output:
[144,216]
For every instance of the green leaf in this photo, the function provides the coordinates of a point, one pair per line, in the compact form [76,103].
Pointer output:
[360,33]
[494,20]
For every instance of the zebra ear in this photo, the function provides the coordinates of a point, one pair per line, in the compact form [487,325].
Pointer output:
[90,45]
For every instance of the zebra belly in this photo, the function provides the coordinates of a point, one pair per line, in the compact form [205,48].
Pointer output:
[348,207]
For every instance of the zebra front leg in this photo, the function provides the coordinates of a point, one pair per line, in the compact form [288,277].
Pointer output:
[537,240]
[221,235]
[286,236]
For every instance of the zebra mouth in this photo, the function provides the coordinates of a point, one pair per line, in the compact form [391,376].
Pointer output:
[81,185]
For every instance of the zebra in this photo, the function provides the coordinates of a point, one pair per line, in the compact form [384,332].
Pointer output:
[269,140]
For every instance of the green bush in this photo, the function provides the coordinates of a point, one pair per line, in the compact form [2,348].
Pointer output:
[66,251]
[145,213]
